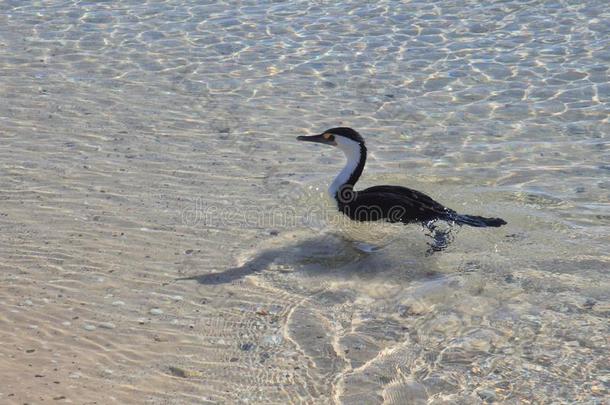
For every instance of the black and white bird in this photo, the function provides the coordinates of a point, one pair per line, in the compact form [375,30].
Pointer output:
[389,203]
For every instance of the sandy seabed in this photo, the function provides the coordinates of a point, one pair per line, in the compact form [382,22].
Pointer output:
[164,239]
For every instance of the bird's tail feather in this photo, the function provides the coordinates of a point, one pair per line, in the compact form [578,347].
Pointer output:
[480,222]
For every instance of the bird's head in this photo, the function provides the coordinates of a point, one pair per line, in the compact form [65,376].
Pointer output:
[342,137]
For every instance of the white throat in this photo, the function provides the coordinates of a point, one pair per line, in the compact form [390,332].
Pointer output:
[351,150]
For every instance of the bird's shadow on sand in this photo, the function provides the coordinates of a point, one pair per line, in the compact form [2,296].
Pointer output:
[323,255]
[255,265]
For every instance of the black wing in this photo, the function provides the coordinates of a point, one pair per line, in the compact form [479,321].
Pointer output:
[409,196]
[394,204]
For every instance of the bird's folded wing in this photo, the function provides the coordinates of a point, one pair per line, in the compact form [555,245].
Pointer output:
[404,196]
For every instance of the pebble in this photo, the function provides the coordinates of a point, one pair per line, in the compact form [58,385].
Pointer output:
[89,327]
[107,325]
[28,302]
[118,303]
[597,389]
[273,340]
[156,311]
[184,373]
[487,395]
[413,308]
[589,303]
[246,347]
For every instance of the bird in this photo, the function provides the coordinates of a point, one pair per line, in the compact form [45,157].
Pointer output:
[395,204]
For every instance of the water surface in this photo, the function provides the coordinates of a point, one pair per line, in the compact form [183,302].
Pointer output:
[161,229]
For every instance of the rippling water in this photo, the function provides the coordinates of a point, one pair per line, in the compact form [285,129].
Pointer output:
[166,240]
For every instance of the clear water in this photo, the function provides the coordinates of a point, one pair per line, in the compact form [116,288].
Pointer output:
[164,238]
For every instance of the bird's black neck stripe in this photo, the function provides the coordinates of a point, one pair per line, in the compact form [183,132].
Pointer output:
[348,186]
[358,171]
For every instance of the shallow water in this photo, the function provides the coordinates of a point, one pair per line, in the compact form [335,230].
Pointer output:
[166,240]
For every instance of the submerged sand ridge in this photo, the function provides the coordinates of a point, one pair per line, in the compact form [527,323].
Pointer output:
[164,238]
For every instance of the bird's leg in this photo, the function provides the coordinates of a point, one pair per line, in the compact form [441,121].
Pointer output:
[441,238]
